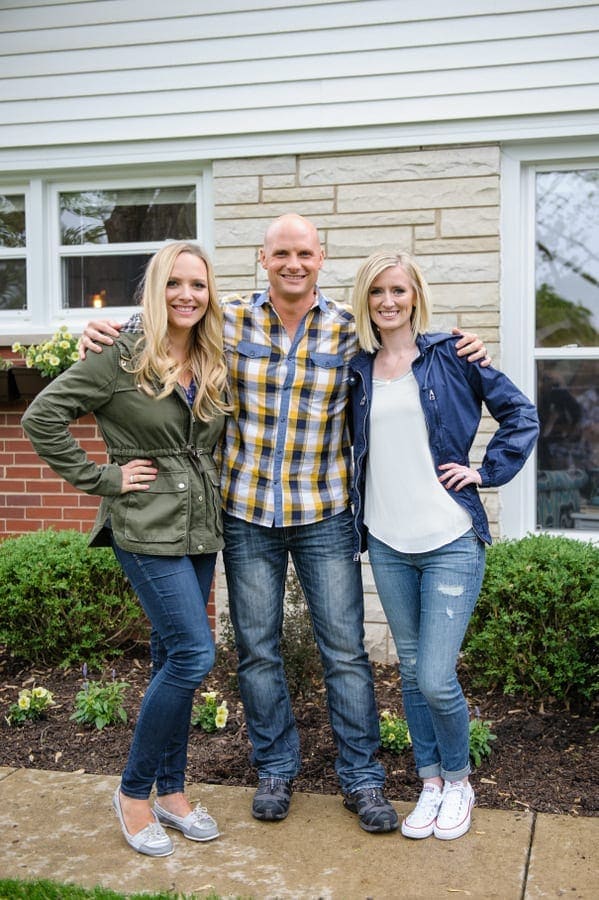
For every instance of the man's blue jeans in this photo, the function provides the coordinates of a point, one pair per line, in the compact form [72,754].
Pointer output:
[173,591]
[428,599]
[256,559]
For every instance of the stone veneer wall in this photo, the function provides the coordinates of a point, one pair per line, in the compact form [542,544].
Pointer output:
[442,204]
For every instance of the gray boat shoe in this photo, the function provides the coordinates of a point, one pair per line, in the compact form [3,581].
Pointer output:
[196,826]
[151,840]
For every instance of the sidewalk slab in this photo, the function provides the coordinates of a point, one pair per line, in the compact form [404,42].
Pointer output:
[564,861]
[61,826]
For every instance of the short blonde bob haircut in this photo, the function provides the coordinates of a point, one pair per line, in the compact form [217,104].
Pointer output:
[370,269]
[156,371]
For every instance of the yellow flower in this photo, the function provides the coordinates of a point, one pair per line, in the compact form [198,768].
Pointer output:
[24,701]
[222,714]
[209,695]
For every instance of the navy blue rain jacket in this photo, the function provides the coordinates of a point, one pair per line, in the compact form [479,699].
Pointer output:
[451,393]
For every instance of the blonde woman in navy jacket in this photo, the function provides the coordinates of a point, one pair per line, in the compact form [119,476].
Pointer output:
[416,409]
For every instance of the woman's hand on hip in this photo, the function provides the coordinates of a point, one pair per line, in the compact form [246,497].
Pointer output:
[137,475]
[456,476]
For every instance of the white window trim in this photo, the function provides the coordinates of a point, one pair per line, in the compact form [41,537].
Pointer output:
[518,168]
[44,313]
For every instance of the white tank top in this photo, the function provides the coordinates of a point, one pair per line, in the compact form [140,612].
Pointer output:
[406,507]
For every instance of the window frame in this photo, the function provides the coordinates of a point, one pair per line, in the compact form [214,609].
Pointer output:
[519,353]
[44,251]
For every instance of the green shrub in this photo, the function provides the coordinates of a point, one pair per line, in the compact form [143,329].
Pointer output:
[61,602]
[534,630]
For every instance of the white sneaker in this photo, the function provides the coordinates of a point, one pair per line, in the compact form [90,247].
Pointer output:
[453,819]
[421,821]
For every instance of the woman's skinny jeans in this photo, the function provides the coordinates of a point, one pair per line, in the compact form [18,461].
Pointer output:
[173,591]
[428,599]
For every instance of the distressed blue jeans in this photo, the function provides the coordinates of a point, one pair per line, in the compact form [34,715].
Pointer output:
[256,560]
[428,599]
[173,591]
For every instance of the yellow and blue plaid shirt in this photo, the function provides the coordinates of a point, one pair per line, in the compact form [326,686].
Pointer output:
[287,453]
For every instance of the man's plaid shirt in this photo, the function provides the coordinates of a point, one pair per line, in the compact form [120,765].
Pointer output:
[286,455]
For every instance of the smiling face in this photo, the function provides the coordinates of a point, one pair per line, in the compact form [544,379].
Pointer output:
[292,256]
[391,299]
[186,293]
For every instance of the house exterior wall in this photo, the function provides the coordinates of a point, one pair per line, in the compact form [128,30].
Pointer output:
[231,76]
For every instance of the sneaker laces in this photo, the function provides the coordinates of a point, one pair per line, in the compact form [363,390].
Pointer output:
[200,813]
[455,799]
[153,832]
[427,805]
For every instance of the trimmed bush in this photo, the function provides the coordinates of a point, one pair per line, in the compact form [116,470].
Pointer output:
[62,602]
[535,628]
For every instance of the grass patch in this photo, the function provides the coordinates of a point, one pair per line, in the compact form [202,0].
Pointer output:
[14,889]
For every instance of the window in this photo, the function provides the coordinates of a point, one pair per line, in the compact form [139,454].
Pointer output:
[550,331]
[13,262]
[68,248]
[567,347]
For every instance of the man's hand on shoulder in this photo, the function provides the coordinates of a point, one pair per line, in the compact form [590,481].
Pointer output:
[471,346]
[104,331]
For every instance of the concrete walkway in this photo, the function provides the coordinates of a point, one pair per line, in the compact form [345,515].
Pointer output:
[61,826]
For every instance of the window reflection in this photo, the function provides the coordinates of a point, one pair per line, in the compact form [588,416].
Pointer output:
[567,258]
[13,292]
[133,215]
[114,279]
[568,447]
[12,220]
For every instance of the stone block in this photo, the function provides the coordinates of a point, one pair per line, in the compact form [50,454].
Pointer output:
[361,242]
[404,165]
[457,268]
[456,245]
[434,194]
[481,220]
[485,296]
[240,189]
[297,194]
[236,261]
[308,208]
[255,165]
[279,181]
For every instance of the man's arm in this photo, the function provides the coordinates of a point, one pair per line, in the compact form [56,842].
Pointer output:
[97,333]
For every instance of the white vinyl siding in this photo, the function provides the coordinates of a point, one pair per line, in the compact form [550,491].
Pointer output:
[119,70]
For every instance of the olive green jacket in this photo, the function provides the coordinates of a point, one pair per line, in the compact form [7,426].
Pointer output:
[181,511]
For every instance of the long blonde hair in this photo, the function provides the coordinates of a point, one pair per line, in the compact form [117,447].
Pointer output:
[370,269]
[156,371]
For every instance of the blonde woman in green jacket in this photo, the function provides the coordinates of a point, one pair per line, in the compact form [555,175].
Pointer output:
[159,403]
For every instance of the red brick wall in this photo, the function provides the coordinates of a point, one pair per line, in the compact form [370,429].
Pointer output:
[32,496]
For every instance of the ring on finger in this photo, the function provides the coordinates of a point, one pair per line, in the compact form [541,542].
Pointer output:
[132,479]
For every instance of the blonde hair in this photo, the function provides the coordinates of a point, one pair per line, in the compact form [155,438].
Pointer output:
[369,270]
[156,371]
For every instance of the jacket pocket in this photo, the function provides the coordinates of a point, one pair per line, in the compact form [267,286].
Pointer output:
[158,515]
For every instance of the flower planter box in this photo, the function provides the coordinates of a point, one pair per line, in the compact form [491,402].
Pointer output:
[29,382]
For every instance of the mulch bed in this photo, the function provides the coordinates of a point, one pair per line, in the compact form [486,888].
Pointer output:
[545,761]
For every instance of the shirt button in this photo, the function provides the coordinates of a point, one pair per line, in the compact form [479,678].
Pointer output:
[200,547]
[181,485]
[201,497]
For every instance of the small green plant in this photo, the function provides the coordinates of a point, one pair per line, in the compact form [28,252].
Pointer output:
[31,705]
[480,740]
[5,364]
[62,602]
[100,703]
[395,735]
[210,714]
[53,356]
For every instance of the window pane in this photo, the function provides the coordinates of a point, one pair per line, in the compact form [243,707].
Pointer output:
[568,448]
[13,293]
[98,281]
[567,258]
[12,220]
[128,216]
